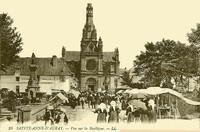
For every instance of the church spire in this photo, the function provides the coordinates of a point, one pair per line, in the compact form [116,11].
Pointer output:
[89,14]
[89,31]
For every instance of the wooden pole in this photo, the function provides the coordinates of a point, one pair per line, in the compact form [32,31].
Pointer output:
[176,110]
[0,42]
[0,48]
[169,104]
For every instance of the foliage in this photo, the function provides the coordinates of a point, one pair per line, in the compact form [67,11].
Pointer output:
[11,41]
[25,100]
[10,101]
[165,60]
[194,36]
[127,79]
[194,40]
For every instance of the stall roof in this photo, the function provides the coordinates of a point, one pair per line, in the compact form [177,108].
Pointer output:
[61,96]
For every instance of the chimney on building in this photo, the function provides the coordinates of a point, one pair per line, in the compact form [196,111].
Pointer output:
[54,61]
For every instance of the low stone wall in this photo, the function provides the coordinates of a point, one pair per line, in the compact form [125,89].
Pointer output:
[35,113]
[2,119]
[38,112]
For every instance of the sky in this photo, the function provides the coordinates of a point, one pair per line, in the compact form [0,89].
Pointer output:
[47,25]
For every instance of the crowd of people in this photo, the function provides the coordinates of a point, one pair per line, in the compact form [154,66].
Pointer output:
[112,107]
[55,116]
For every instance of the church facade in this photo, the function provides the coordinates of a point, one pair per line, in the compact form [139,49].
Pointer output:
[95,69]
[88,69]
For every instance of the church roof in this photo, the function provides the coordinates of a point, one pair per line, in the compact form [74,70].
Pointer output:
[108,56]
[75,55]
[45,67]
[72,55]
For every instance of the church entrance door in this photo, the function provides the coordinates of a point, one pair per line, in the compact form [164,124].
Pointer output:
[91,87]
[91,84]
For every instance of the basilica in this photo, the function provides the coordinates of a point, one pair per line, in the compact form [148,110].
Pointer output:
[95,68]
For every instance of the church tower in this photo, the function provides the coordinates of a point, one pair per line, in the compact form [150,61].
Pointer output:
[91,55]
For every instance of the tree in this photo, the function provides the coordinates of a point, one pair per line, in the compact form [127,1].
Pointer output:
[194,40]
[11,41]
[163,61]
[194,36]
[25,100]
[127,79]
[10,101]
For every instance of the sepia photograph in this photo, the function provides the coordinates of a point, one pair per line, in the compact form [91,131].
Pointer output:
[120,66]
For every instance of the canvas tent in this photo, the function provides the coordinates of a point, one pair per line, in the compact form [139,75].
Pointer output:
[158,90]
[191,102]
[61,97]
[74,92]
[120,91]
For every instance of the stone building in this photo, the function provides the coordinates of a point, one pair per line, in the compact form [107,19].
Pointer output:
[95,69]
[51,74]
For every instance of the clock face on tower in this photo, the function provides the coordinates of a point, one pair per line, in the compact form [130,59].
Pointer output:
[91,64]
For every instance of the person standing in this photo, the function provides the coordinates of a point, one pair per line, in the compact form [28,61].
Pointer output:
[113,113]
[123,103]
[57,118]
[129,114]
[118,102]
[82,100]
[65,119]
[73,102]
[47,116]
[89,98]
[152,111]
[102,113]
[97,100]
[93,102]
[144,116]
[137,115]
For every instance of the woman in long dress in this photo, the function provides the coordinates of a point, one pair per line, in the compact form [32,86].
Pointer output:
[102,113]
[113,113]
[144,116]
[123,103]
[65,119]
[129,114]
[152,111]
[137,115]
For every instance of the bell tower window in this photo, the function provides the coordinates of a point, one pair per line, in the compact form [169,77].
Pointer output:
[91,64]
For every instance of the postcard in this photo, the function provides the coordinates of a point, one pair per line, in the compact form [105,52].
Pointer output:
[95,66]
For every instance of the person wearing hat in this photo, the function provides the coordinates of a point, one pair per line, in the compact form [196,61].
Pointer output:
[102,113]
[113,113]
[129,114]
[152,111]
